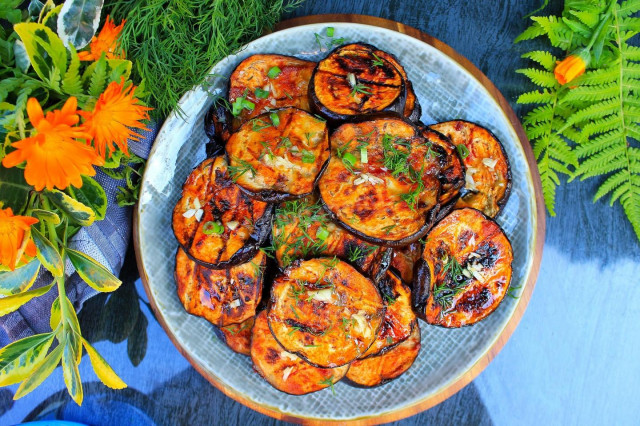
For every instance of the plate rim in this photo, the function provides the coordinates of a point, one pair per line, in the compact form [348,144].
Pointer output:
[483,361]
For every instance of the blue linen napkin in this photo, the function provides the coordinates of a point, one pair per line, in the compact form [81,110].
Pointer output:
[105,241]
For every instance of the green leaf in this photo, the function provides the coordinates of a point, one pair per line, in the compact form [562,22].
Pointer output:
[73,209]
[544,58]
[41,372]
[120,68]
[45,49]
[47,253]
[103,370]
[20,358]
[91,194]
[55,317]
[46,216]
[10,10]
[96,74]
[71,373]
[540,77]
[20,56]
[72,320]
[92,272]
[19,280]
[78,21]
[14,190]
[72,83]
[11,303]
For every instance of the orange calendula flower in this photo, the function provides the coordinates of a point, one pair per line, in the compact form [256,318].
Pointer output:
[114,117]
[106,42]
[14,238]
[54,157]
[571,67]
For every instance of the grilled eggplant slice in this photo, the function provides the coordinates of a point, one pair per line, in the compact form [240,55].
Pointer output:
[219,226]
[451,173]
[353,81]
[404,260]
[399,319]
[302,229]
[285,371]
[375,184]
[238,336]
[412,109]
[217,127]
[325,311]
[488,173]
[264,82]
[222,297]
[464,272]
[278,156]
[381,369]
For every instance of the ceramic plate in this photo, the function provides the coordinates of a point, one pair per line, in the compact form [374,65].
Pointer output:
[446,91]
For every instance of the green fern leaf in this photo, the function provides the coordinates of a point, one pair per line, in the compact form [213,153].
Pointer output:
[544,58]
[71,83]
[599,76]
[610,184]
[540,114]
[594,111]
[590,19]
[533,31]
[98,77]
[631,53]
[631,205]
[592,93]
[628,7]
[595,145]
[557,31]
[539,77]
[602,125]
[549,181]
[536,97]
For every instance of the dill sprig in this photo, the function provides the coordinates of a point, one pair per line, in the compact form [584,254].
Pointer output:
[453,283]
[175,43]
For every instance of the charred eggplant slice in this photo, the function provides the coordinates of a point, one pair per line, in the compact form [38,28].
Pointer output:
[279,155]
[404,260]
[464,272]
[488,173]
[222,297]
[451,173]
[412,109]
[217,127]
[238,336]
[399,319]
[381,369]
[285,371]
[302,229]
[220,226]
[376,184]
[264,82]
[325,311]
[354,81]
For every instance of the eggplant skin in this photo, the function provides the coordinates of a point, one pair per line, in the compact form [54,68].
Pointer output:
[452,170]
[381,88]
[325,311]
[465,270]
[238,336]
[381,369]
[404,259]
[296,225]
[487,188]
[412,109]
[370,199]
[217,127]
[279,155]
[222,297]
[399,319]
[289,88]
[286,371]
[245,222]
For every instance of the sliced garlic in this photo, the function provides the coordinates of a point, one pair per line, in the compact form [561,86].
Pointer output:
[196,204]
[234,304]
[199,214]
[351,78]
[288,355]
[189,213]
[489,162]
[286,372]
[273,102]
[324,295]
[233,224]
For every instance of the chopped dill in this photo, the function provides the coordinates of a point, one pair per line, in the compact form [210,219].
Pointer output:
[243,167]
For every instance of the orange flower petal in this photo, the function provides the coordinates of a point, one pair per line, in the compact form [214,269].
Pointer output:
[34,111]
[12,237]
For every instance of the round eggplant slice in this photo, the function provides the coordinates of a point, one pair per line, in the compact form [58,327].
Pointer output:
[264,82]
[399,319]
[451,173]
[238,336]
[279,155]
[283,370]
[412,109]
[488,173]
[220,226]
[464,272]
[404,260]
[353,81]
[376,183]
[381,369]
[302,229]
[325,311]
[221,296]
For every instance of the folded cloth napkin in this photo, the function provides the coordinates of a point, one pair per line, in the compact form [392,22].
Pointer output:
[105,241]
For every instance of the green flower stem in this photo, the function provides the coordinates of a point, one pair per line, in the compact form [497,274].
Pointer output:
[601,25]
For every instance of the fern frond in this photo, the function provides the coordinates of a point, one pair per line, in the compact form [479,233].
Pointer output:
[560,150]
[601,125]
[543,57]
[594,111]
[536,97]
[98,77]
[592,92]
[557,31]
[599,76]
[630,201]
[533,31]
[71,83]
[590,19]
[610,184]
[595,145]
[539,77]
[631,53]
[541,114]
[604,162]
[628,8]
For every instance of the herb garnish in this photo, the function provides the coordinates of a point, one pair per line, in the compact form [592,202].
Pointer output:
[328,382]
[463,151]
[377,62]
[453,283]
[241,103]
[273,72]
[360,88]
[237,171]
[357,253]
[388,229]
[261,93]
[308,157]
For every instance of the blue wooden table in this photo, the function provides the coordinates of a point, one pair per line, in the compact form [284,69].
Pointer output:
[574,359]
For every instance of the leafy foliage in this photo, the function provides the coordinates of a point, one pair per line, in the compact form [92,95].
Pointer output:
[591,126]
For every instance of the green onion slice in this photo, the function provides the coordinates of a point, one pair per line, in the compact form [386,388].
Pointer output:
[364,157]
[463,151]
[322,234]
[273,72]
[275,119]
[261,93]
[349,159]
[212,227]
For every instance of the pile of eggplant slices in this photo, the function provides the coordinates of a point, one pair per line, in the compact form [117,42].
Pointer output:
[326,218]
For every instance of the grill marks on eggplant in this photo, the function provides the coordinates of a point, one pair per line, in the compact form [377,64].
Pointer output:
[488,173]
[390,199]
[451,173]
[287,88]
[221,296]
[284,370]
[465,270]
[412,109]
[354,81]
[238,336]
[279,155]
[399,319]
[381,369]
[303,229]
[223,227]
[325,311]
